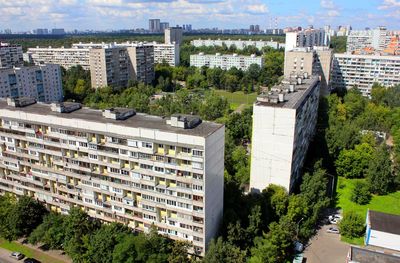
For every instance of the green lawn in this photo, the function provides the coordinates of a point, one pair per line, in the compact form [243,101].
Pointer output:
[28,252]
[237,98]
[388,204]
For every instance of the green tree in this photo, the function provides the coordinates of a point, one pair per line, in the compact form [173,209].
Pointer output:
[360,193]
[7,204]
[50,232]
[179,252]
[352,225]
[213,107]
[125,250]
[354,163]
[220,251]
[379,174]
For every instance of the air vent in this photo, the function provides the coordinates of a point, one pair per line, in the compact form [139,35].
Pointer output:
[184,121]
[20,102]
[118,113]
[65,107]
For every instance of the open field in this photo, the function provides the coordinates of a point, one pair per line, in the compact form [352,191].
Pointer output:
[238,98]
[388,203]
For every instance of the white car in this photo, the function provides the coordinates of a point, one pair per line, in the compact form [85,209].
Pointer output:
[333,230]
[17,255]
[334,219]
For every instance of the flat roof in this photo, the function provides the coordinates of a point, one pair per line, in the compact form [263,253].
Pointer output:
[366,255]
[384,222]
[139,120]
[294,99]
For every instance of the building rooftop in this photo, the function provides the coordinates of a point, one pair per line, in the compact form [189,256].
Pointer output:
[367,255]
[289,94]
[387,223]
[139,120]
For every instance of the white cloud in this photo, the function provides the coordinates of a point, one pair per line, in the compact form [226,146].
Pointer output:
[328,4]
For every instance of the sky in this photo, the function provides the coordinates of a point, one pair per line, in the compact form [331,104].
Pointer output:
[24,15]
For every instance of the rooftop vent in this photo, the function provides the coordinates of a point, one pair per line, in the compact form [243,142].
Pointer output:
[65,107]
[20,102]
[118,113]
[184,121]
[273,98]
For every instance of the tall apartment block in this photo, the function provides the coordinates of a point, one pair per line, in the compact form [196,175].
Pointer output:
[239,44]
[173,35]
[41,82]
[315,61]
[117,166]
[65,57]
[154,25]
[225,62]
[284,123]
[115,66]
[306,38]
[362,71]
[10,55]
[168,53]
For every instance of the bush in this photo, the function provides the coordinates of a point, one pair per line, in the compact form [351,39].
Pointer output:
[352,225]
[360,194]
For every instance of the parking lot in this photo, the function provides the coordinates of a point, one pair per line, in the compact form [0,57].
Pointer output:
[326,248]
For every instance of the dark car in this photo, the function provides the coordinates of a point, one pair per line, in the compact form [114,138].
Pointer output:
[31,260]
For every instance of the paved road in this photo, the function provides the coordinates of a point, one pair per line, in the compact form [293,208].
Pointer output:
[5,256]
[326,248]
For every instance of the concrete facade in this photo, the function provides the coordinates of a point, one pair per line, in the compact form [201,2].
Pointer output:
[306,38]
[65,57]
[117,166]
[10,55]
[225,62]
[283,126]
[173,35]
[362,71]
[41,82]
[239,44]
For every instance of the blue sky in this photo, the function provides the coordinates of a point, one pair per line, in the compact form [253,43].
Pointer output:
[126,14]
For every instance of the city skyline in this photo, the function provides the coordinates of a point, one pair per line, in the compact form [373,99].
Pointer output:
[23,15]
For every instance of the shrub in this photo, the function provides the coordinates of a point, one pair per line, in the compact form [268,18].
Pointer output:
[360,194]
[352,225]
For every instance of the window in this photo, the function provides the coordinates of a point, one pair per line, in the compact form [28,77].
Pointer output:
[93,156]
[184,205]
[123,172]
[149,208]
[133,154]
[148,197]
[186,150]
[146,166]
[83,144]
[147,145]
[136,176]
[197,165]
[197,208]
[116,190]
[172,147]
[197,153]
[132,143]
[72,142]
[92,146]
[197,187]
[197,176]
[114,170]
[123,152]
[158,169]
[149,217]
[170,202]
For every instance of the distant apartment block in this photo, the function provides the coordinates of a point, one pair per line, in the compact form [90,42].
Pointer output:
[315,61]
[65,57]
[305,38]
[115,66]
[173,35]
[10,55]
[154,25]
[117,165]
[225,62]
[284,123]
[377,39]
[362,71]
[40,82]
[168,53]
[239,44]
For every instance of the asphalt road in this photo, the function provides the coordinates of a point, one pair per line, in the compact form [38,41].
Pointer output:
[5,257]
[326,248]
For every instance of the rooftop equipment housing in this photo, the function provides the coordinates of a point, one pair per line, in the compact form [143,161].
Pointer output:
[20,102]
[184,121]
[65,107]
[118,113]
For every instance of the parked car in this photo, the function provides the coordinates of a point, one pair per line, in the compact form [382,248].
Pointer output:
[333,230]
[334,219]
[31,260]
[17,255]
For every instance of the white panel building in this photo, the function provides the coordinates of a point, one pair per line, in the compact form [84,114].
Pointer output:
[225,62]
[383,230]
[10,55]
[116,165]
[362,71]
[42,82]
[239,44]
[283,125]
[306,38]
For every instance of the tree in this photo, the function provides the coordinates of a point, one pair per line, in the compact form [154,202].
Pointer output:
[50,233]
[360,194]
[352,225]
[213,107]
[7,203]
[223,252]
[125,250]
[179,252]
[379,174]
[354,163]
[24,217]
[278,198]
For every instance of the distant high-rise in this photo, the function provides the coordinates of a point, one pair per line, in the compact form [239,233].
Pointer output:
[154,25]
[163,26]
[305,38]
[173,35]
[58,31]
[41,31]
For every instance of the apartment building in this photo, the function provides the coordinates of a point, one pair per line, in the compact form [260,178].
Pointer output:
[173,35]
[306,38]
[116,65]
[10,55]
[154,25]
[117,165]
[239,44]
[42,82]
[65,57]
[313,61]
[284,123]
[168,53]
[377,39]
[362,71]
[225,62]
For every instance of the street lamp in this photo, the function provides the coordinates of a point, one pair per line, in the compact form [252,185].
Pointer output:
[298,226]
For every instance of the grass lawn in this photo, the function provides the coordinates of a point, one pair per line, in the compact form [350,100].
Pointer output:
[237,98]
[28,252]
[388,204]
